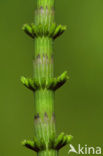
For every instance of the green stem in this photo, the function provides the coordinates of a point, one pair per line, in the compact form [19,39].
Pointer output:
[43,84]
[43,59]
[48,153]
[44,110]
[43,70]
[45,12]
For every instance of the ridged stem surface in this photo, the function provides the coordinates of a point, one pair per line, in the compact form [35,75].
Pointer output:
[43,63]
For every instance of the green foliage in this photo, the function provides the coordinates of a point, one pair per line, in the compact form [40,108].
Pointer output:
[60,141]
[30,83]
[52,84]
[54,143]
[52,31]
[35,145]
[56,83]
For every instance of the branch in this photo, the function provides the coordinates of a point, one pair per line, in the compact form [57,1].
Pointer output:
[34,145]
[52,31]
[58,82]
[52,84]
[60,141]
[59,31]
[30,83]
[28,30]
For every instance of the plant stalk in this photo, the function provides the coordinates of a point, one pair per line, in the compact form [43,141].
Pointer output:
[44,31]
[43,64]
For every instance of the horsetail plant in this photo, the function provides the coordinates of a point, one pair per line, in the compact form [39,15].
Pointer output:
[43,84]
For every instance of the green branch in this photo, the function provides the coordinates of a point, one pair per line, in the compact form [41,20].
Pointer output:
[52,84]
[54,143]
[58,82]
[59,142]
[34,145]
[52,31]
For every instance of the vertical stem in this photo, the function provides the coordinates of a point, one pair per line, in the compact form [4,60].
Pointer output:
[43,70]
[45,12]
[43,59]
[43,84]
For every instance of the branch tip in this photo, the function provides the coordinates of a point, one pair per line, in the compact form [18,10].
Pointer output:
[56,83]
[62,140]
[35,145]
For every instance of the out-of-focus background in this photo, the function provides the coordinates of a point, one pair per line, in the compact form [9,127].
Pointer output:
[78,104]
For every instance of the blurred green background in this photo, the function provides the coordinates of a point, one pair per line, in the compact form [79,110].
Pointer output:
[78,104]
